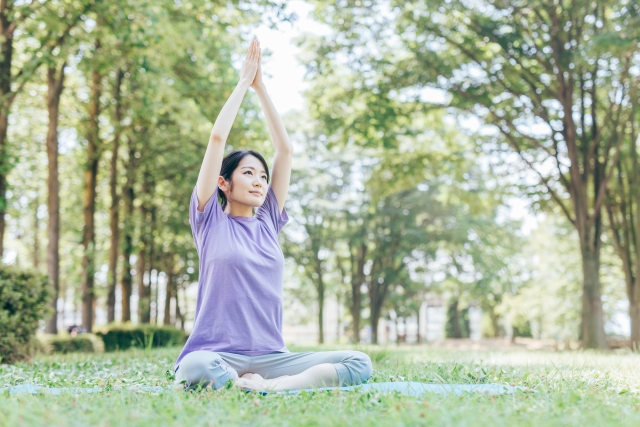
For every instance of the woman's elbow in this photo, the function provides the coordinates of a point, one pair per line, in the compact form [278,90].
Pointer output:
[216,139]
[286,150]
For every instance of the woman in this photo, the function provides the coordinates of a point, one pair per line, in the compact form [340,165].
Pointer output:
[237,331]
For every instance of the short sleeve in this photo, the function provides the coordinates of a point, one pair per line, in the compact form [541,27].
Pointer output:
[201,221]
[269,212]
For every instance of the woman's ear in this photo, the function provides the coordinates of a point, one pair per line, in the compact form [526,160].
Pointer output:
[222,184]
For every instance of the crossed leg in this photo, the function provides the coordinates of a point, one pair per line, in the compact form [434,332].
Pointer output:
[323,375]
[275,371]
[293,371]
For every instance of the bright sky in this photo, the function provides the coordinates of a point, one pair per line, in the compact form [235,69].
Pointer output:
[282,73]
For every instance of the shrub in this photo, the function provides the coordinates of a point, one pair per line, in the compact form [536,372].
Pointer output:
[24,300]
[124,336]
[69,345]
[65,343]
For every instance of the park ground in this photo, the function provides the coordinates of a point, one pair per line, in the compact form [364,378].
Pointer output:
[570,388]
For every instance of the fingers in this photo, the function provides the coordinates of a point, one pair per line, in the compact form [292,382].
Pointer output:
[254,50]
[248,57]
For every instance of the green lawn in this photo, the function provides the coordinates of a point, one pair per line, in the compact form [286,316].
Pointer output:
[572,389]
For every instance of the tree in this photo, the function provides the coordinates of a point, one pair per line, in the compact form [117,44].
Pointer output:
[313,205]
[126,40]
[25,18]
[623,209]
[528,72]
[55,85]
[114,210]
[623,195]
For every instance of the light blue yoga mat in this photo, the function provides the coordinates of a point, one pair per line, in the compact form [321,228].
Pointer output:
[407,388]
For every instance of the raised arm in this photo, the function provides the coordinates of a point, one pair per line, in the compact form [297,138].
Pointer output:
[210,169]
[279,138]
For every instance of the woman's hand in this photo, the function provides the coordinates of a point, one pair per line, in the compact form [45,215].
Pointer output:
[251,64]
[257,81]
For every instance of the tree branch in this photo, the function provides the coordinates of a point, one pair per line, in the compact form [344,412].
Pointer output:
[603,184]
[545,181]
[33,63]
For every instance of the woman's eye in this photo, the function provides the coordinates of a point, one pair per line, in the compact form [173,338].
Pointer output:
[264,177]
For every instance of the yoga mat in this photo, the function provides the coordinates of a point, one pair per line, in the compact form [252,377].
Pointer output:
[419,389]
[406,388]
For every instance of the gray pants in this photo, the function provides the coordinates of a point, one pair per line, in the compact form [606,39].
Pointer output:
[216,369]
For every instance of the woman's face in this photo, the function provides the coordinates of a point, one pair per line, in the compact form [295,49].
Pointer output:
[248,184]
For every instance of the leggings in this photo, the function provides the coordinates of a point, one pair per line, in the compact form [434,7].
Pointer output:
[205,368]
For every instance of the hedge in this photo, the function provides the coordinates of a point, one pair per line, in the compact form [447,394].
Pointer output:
[64,343]
[124,336]
[25,297]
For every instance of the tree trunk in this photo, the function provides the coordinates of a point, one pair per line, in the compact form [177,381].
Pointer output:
[357,279]
[494,322]
[621,231]
[36,226]
[378,290]
[377,296]
[127,251]
[143,296]
[634,314]
[634,193]
[374,327]
[589,232]
[153,265]
[178,314]
[55,85]
[455,320]
[89,207]
[593,335]
[374,309]
[6,55]
[321,311]
[320,288]
[145,253]
[338,316]
[3,176]
[115,202]
[167,297]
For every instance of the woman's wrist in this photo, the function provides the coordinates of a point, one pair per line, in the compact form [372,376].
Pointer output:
[243,84]
[260,88]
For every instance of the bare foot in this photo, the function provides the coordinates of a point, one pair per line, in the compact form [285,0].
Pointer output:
[252,376]
[256,382]
[250,384]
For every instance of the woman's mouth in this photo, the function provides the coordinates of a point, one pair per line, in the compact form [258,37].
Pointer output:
[257,193]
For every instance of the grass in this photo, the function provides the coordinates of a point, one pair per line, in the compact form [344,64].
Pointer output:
[572,389]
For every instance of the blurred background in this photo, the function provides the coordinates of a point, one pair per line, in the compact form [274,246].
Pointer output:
[463,169]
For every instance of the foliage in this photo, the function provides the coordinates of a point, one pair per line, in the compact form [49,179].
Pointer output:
[417,198]
[121,337]
[64,343]
[175,63]
[24,299]
[422,118]
[68,345]
[532,82]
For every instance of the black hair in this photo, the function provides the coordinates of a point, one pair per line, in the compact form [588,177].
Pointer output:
[230,164]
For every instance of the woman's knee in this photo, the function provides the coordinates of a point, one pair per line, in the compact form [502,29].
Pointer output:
[359,367]
[204,368]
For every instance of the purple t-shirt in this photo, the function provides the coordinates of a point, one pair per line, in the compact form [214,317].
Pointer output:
[239,304]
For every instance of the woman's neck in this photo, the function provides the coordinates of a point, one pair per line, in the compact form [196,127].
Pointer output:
[239,209]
